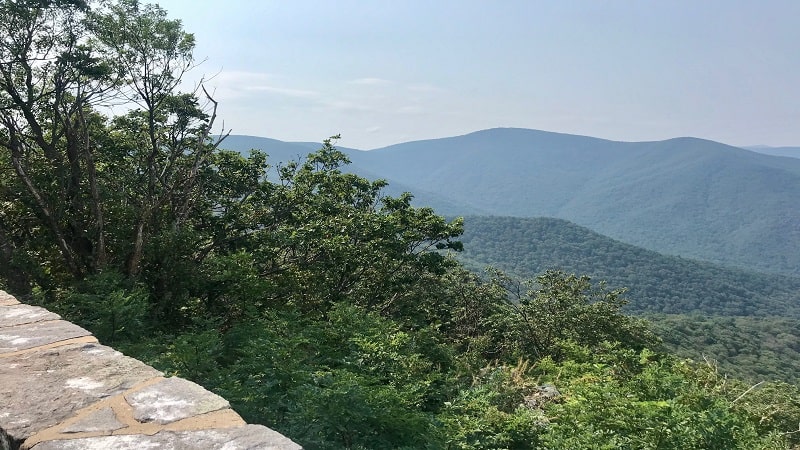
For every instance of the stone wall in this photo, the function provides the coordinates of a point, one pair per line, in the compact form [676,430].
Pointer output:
[61,389]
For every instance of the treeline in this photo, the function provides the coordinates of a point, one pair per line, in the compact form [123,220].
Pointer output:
[313,302]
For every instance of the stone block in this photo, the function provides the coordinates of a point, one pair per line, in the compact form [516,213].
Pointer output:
[103,420]
[171,400]
[6,299]
[42,388]
[250,437]
[20,314]
[31,335]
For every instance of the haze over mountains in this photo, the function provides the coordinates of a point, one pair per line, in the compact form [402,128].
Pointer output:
[685,196]
[791,152]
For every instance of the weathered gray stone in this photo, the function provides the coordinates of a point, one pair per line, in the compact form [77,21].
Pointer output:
[542,395]
[250,437]
[173,399]
[23,337]
[23,314]
[101,420]
[41,388]
[6,299]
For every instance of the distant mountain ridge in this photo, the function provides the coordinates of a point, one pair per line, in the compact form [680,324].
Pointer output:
[790,152]
[682,196]
[281,152]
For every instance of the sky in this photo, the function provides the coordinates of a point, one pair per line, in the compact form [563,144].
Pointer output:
[381,72]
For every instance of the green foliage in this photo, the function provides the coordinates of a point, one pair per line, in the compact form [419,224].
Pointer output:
[194,354]
[94,193]
[559,307]
[319,235]
[355,380]
[715,303]
[490,413]
[109,305]
[772,407]
[752,348]
[620,398]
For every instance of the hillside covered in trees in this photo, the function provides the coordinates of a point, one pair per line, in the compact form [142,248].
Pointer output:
[745,321]
[685,196]
[682,196]
[659,283]
[314,302]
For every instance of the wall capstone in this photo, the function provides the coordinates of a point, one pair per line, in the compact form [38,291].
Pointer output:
[61,389]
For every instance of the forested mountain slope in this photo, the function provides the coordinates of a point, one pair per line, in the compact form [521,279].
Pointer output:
[745,322]
[683,196]
[754,348]
[656,283]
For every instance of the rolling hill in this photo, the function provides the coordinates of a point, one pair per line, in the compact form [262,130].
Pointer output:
[656,283]
[683,196]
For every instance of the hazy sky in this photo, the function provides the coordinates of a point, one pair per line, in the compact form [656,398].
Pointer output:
[386,71]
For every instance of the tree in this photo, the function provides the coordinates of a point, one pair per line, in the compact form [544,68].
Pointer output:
[320,236]
[167,135]
[557,307]
[95,192]
[48,81]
